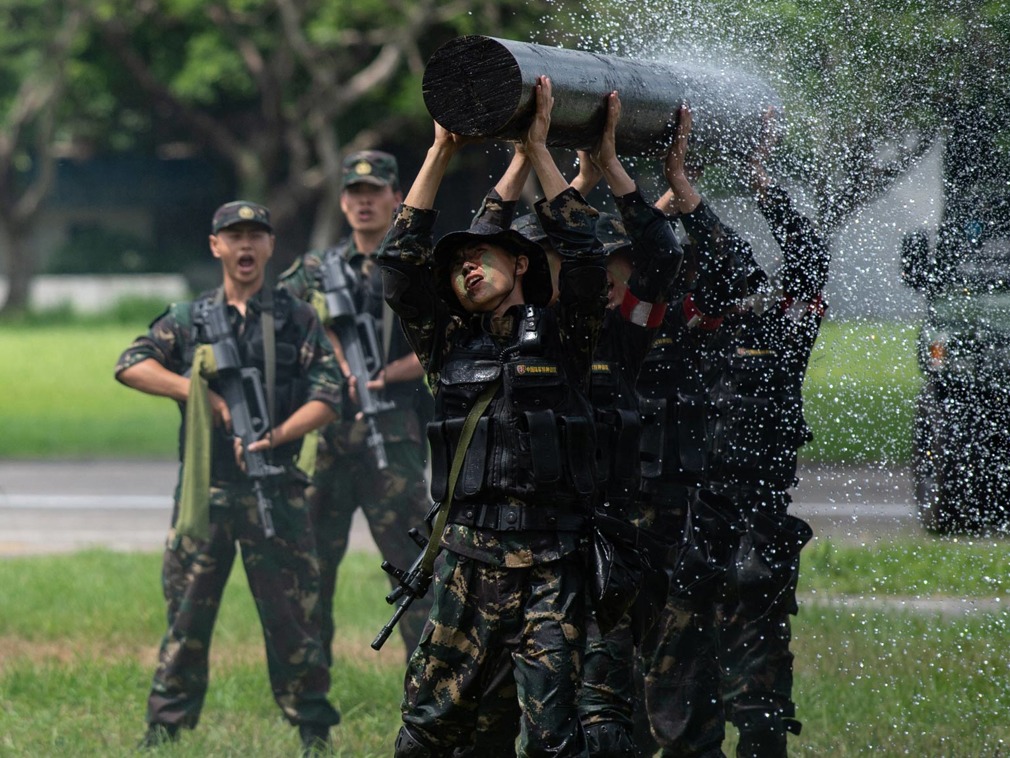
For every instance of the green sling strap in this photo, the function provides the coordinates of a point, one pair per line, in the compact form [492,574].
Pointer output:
[442,515]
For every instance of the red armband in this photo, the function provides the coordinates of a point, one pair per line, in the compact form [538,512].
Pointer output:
[816,307]
[695,318]
[635,311]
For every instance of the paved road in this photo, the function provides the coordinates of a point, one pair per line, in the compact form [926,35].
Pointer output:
[54,506]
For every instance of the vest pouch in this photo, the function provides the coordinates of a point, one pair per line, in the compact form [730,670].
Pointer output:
[746,439]
[460,384]
[692,411]
[533,384]
[605,442]
[627,460]
[651,446]
[578,437]
[544,445]
[471,475]
[438,443]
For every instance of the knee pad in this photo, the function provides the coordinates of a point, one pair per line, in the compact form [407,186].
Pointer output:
[610,740]
[409,746]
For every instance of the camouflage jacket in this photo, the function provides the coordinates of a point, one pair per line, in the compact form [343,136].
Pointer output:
[434,327]
[404,406]
[172,339]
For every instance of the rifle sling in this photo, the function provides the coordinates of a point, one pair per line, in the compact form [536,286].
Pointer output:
[442,514]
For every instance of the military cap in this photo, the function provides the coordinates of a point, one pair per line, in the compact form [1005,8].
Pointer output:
[612,235]
[239,212]
[537,286]
[371,167]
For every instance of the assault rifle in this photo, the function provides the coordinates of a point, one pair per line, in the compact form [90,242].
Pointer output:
[350,326]
[412,584]
[242,389]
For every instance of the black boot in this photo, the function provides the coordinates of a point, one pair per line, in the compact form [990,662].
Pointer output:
[158,735]
[315,739]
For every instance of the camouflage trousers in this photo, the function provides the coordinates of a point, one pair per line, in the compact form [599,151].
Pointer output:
[677,674]
[283,575]
[393,500]
[718,654]
[754,608]
[497,636]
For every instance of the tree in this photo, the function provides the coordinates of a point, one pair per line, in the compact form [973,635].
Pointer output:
[36,49]
[868,86]
[283,89]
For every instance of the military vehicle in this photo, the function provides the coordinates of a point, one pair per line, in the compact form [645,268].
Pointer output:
[961,455]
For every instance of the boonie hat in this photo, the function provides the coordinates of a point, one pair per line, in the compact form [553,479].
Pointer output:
[537,287]
[611,233]
[371,167]
[239,212]
[529,227]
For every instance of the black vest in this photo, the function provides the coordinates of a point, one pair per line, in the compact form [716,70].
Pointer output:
[291,386]
[674,407]
[535,441]
[758,424]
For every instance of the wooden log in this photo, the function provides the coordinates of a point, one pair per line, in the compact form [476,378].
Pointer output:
[483,86]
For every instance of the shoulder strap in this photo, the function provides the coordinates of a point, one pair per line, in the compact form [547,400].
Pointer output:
[442,514]
[269,350]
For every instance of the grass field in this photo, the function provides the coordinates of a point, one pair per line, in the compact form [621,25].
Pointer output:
[62,402]
[78,636]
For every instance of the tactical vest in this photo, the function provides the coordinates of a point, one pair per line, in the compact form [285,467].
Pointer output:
[758,424]
[674,408]
[616,413]
[290,388]
[535,442]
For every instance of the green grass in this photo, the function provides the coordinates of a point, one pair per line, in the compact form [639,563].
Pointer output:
[78,635]
[859,394]
[62,402]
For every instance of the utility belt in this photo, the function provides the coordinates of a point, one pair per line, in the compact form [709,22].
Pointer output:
[666,493]
[515,517]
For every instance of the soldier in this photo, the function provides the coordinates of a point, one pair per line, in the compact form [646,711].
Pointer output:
[757,430]
[726,644]
[347,473]
[508,595]
[216,506]
[678,658]
[643,256]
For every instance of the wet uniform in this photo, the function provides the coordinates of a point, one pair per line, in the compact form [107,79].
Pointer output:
[508,596]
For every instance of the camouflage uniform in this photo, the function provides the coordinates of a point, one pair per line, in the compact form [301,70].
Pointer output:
[347,477]
[647,238]
[509,596]
[678,665]
[283,571]
[758,429]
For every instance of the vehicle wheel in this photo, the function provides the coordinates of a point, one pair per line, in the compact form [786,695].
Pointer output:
[937,513]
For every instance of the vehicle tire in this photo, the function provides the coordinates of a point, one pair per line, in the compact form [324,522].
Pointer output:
[931,464]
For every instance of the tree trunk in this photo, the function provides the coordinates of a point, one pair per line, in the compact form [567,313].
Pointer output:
[20,269]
